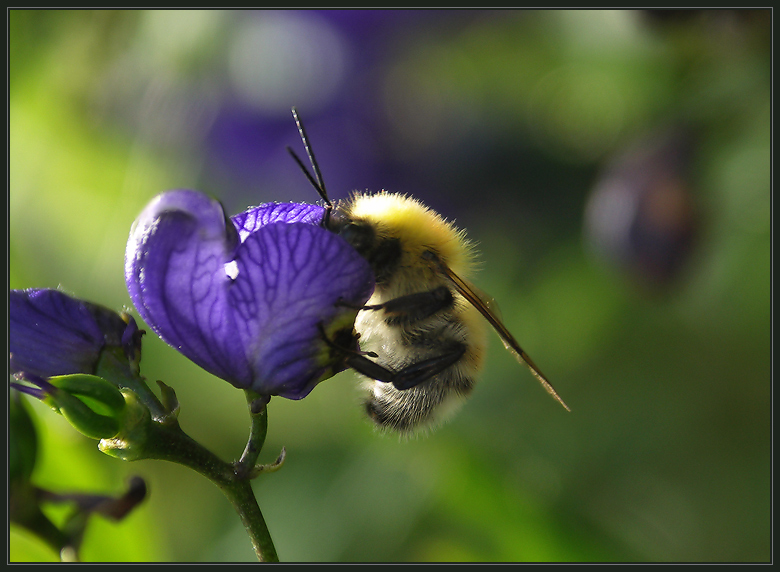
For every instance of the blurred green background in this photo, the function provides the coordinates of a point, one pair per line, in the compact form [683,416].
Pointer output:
[509,122]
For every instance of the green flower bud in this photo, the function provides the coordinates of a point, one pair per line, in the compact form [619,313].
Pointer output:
[129,443]
[91,404]
[83,419]
[99,391]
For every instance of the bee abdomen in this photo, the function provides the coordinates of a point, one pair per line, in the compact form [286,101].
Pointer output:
[421,406]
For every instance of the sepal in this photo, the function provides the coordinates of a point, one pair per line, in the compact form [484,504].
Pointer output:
[130,442]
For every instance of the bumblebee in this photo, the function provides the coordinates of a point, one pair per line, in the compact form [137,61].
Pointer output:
[422,333]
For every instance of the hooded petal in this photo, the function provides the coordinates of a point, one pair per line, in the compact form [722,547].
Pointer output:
[176,277]
[250,312]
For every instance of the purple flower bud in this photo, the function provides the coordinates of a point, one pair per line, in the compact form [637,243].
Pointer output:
[642,216]
[51,333]
[249,299]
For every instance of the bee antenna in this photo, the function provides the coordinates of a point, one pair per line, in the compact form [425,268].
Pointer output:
[309,176]
[316,179]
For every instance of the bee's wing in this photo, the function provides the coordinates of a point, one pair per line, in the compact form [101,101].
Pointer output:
[487,308]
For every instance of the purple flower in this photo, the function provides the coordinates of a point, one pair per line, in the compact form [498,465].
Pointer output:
[250,299]
[642,215]
[51,333]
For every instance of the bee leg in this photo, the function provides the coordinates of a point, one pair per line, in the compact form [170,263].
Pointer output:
[365,366]
[415,307]
[411,307]
[345,342]
[410,375]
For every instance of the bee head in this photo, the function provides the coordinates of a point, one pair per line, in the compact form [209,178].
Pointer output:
[383,252]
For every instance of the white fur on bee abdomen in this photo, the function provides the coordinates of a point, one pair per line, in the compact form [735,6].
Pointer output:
[435,399]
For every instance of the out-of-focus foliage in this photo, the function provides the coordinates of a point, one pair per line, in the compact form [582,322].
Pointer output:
[508,122]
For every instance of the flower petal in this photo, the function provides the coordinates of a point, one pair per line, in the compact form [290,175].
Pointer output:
[252,219]
[252,313]
[175,273]
[290,277]
[51,333]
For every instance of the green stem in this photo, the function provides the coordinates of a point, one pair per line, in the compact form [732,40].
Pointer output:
[39,524]
[164,439]
[258,414]
[168,442]
[242,497]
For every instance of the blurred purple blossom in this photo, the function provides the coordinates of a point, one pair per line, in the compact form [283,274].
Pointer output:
[642,215]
